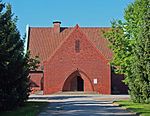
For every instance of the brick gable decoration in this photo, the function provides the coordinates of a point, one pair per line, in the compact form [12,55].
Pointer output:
[72,59]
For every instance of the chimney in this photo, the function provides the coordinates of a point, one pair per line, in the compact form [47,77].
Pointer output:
[56,26]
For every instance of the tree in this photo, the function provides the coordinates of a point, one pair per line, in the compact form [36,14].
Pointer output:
[14,63]
[130,42]
[1,6]
[141,67]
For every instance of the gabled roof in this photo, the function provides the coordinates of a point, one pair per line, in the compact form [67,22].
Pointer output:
[44,41]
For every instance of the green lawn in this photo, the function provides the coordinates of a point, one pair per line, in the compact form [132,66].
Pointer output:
[143,109]
[30,109]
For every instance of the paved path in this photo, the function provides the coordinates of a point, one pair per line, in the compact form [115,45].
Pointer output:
[81,105]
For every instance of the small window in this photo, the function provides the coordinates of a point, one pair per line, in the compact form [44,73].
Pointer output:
[77,45]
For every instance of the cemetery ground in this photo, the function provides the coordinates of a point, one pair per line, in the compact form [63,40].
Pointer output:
[31,108]
[79,105]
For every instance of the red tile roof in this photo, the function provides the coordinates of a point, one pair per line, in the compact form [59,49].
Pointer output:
[44,41]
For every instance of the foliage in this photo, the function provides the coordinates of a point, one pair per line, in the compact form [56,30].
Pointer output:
[1,6]
[130,42]
[14,63]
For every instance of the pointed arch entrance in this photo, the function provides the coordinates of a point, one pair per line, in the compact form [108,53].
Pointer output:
[77,81]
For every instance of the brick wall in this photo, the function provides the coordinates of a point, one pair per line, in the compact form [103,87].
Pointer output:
[66,60]
[118,87]
[36,81]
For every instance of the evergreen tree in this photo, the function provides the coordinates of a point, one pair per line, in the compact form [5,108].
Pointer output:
[131,45]
[1,6]
[14,63]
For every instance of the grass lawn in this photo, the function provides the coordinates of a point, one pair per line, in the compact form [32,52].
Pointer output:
[143,109]
[30,109]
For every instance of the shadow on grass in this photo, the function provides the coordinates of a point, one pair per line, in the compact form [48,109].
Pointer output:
[29,109]
[143,109]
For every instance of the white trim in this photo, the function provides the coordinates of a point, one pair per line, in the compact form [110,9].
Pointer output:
[27,35]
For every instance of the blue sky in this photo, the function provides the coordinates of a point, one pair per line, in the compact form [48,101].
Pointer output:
[92,13]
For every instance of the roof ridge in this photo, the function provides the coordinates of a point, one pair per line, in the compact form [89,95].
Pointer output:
[69,27]
[98,50]
[52,41]
[61,44]
[40,27]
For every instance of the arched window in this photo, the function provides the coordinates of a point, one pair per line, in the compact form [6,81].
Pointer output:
[77,45]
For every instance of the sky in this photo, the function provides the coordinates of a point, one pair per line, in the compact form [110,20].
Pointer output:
[86,13]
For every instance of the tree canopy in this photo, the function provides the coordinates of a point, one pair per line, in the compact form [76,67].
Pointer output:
[130,42]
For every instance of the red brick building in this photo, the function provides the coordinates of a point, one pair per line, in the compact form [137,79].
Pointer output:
[72,59]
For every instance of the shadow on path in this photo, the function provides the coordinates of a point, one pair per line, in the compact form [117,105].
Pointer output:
[82,105]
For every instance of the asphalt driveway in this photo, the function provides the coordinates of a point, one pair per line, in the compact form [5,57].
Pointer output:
[81,105]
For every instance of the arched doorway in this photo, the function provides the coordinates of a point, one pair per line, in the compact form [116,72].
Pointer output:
[77,84]
[77,81]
